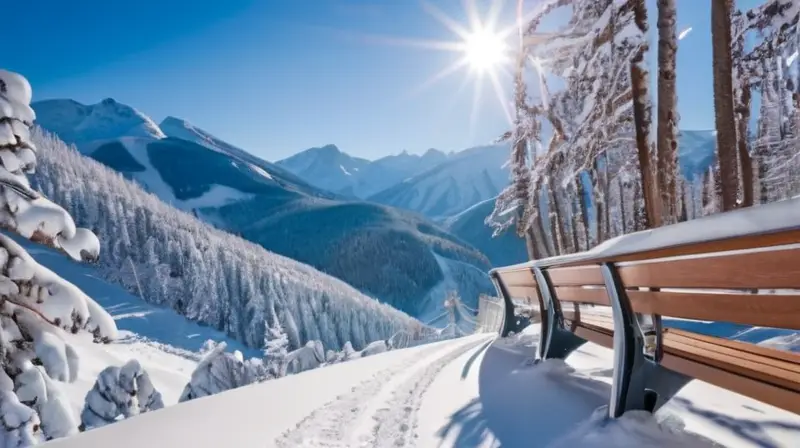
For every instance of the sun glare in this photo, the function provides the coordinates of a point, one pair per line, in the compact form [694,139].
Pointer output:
[484,50]
[481,47]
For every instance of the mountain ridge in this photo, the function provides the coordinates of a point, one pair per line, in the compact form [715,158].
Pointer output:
[229,188]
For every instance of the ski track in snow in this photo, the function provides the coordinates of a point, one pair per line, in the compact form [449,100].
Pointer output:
[337,423]
[397,423]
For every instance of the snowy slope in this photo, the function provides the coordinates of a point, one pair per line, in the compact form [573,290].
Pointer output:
[165,342]
[182,129]
[79,123]
[469,225]
[466,178]
[469,392]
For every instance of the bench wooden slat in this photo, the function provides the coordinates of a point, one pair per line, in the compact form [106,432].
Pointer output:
[523,292]
[766,269]
[745,242]
[517,277]
[746,347]
[723,349]
[767,310]
[749,366]
[768,393]
[583,295]
[576,276]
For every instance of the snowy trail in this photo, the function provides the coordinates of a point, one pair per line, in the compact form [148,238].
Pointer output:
[381,410]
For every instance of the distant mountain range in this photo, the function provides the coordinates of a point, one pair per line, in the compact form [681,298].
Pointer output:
[360,220]
[393,255]
[329,168]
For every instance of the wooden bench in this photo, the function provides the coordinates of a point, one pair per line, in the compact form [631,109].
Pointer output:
[619,294]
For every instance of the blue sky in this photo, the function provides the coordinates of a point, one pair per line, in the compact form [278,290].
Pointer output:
[276,77]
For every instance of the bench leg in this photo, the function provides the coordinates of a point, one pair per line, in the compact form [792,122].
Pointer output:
[555,340]
[639,382]
[509,320]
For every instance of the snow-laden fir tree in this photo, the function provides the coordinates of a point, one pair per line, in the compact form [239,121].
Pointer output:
[119,392]
[36,305]
[275,351]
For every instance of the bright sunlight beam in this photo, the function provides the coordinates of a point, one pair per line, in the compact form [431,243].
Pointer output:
[484,50]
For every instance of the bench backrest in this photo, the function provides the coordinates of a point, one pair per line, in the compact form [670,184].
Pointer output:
[747,279]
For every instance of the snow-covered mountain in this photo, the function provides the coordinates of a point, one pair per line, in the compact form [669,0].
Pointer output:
[463,180]
[331,169]
[386,253]
[81,124]
[696,151]
[502,250]
[328,168]
[695,155]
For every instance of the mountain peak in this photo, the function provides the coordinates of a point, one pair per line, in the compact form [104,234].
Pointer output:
[80,123]
[329,148]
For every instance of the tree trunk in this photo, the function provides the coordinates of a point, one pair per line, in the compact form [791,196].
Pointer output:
[530,244]
[538,223]
[723,102]
[575,214]
[621,207]
[742,94]
[556,226]
[599,204]
[642,118]
[667,138]
[745,159]
[584,211]
[638,207]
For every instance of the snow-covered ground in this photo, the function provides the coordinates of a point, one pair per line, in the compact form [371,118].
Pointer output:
[476,391]
[165,343]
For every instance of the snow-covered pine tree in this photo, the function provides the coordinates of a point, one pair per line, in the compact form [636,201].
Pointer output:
[276,348]
[119,392]
[36,305]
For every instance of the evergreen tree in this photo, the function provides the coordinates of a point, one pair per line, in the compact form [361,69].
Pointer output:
[34,299]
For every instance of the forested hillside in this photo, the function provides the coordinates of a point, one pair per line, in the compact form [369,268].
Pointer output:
[173,259]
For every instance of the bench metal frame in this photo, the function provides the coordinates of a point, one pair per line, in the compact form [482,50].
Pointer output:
[640,382]
[509,319]
[555,341]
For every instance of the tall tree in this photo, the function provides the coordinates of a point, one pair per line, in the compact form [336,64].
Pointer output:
[721,11]
[667,138]
[642,113]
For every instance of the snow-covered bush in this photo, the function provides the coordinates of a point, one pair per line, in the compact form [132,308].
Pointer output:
[374,348]
[36,305]
[119,392]
[306,358]
[349,352]
[220,371]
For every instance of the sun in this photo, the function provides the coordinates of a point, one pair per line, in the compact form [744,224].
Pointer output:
[484,50]
[480,45]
